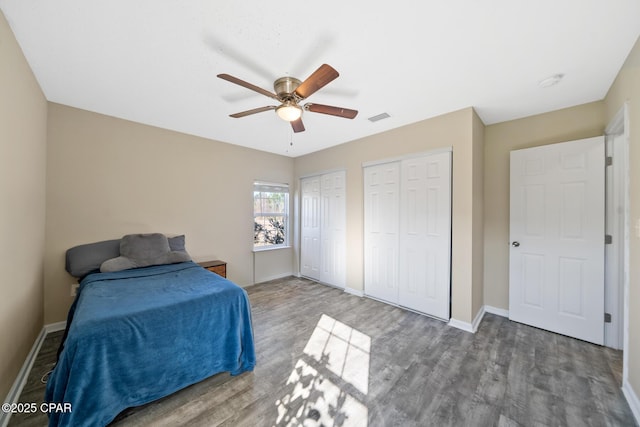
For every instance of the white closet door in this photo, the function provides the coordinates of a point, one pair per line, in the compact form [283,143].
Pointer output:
[310,228]
[381,198]
[332,229]
[425,234]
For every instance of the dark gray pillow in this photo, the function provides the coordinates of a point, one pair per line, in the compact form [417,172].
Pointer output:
[177,243]
[143,250]
[84,259]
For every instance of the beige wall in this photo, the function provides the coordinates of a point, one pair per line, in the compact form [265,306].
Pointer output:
[23,126]
[563,125]
[450,130]
[626,88]
[107,177]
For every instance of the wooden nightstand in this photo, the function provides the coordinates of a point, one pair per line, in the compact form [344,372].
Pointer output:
[217,266]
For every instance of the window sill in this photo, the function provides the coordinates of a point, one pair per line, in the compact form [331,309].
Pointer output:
[270,248]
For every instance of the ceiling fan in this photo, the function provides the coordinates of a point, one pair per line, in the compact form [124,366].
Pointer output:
[289,91]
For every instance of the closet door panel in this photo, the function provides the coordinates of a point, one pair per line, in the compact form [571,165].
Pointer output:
[333,237]
[322,228]
[425,234]
[310,254]
[381,223]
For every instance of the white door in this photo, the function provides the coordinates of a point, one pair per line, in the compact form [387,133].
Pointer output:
[425,234]
[381,199]
[333,229]
[310,228]
[556,264]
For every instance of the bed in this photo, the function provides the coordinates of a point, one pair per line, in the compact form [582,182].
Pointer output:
[141,333]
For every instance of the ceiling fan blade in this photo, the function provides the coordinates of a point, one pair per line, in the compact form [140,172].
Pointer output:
[297,125]
[248,85]
[254,111]
[334,111]
[320,78]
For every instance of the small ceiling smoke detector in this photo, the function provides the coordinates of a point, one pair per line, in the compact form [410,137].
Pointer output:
[551,80]
[378,117]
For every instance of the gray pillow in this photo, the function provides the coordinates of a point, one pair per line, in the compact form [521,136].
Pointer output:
[143,250]
[84,259]
[177,243]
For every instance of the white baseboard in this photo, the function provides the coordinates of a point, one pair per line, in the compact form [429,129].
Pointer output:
[55,327]
[478,319]
[459,324]
[632,399]
[274,277]
[355,292]
[497,311]
[466,326]
[21,379]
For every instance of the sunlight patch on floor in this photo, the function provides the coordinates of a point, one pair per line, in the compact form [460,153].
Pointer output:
[333,350]
[343,350]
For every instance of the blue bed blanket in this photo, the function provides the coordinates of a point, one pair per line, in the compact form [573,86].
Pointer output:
[142,334]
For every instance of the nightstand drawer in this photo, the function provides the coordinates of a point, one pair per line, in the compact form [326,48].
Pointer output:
[217,266]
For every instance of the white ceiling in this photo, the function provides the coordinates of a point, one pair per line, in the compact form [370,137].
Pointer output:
[156,61]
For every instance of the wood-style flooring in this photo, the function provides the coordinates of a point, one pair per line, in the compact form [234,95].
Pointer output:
[333,359]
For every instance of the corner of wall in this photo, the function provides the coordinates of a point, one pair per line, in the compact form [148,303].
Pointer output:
[632,399]
[478,129]
[23,143]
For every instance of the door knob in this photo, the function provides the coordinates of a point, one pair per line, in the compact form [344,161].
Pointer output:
[515,244]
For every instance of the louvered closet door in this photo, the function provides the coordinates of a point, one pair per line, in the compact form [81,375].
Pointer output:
[310,255]
[381,198]
[425,234]
[332,229]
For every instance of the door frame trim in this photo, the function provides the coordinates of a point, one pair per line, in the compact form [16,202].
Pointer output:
[619,124]
[408,156]
[322,172]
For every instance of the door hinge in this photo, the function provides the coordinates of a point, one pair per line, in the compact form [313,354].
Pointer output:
[609,161]
[607,318]
[608,239]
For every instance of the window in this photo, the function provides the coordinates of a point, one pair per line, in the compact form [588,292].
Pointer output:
[270,215]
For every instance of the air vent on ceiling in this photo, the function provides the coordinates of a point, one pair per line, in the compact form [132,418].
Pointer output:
[378,117]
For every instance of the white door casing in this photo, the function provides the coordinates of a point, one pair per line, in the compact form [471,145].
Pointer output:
[616,200]
[425,234]
[556,267]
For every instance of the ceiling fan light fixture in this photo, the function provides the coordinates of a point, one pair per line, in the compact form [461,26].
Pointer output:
[289,111]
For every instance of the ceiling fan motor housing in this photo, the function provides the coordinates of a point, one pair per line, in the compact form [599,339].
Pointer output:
[285,86]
